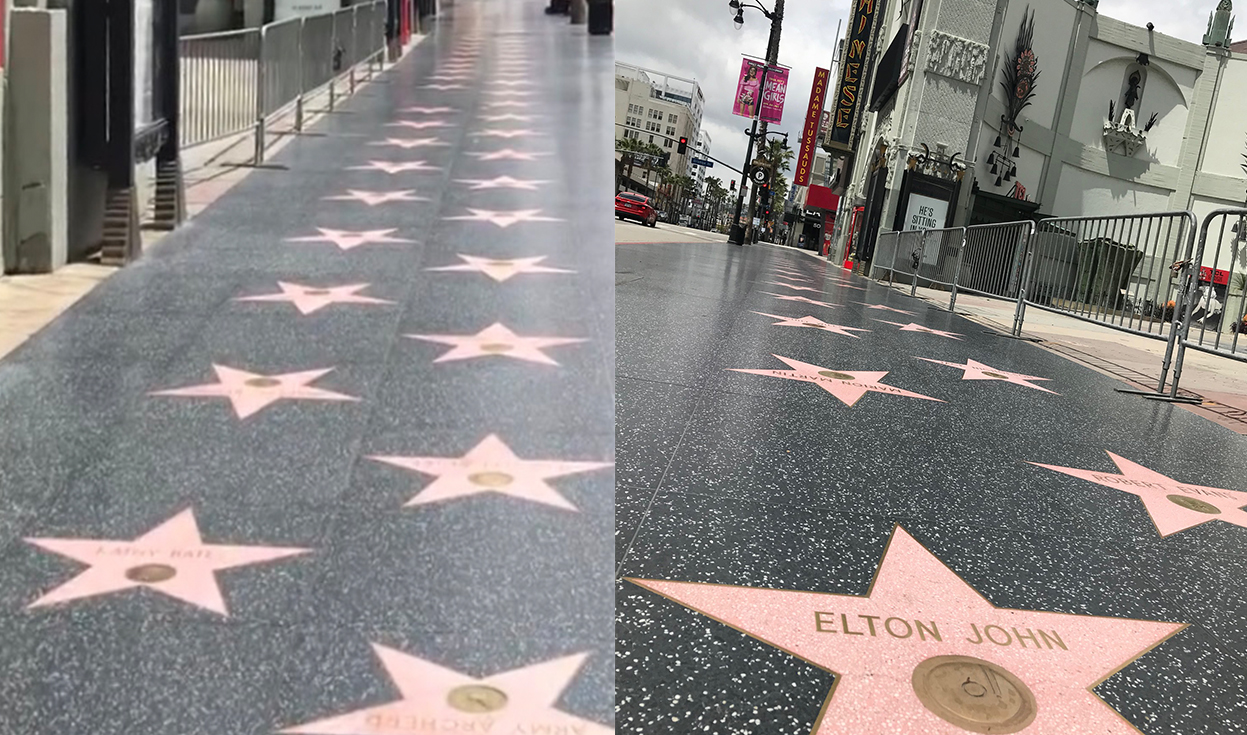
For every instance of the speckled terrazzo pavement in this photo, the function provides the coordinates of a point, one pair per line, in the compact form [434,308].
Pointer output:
[245,487]
[799,475]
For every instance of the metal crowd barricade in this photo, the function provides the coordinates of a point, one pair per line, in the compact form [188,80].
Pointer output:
[241,80]
[885,252]
[218,84]
[1218,316]
[1114,271]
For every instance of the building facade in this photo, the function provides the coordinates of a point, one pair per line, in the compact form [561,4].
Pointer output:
[658,108]
[1003,110]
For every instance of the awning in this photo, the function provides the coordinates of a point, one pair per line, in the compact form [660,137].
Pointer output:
[820,197]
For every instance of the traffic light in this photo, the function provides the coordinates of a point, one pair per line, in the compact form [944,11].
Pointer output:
[683,146]
[764,194]
[732,186]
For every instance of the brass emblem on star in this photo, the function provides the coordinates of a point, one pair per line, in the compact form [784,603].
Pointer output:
[491,479]
[974,694]
[835,375]
[261,382]
[1194,504]
[151,573]
[476,698]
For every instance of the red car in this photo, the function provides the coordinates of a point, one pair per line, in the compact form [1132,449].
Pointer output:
[637,207]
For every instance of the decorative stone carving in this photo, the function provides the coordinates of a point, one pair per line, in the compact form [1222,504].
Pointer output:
[957,58]
[1123,136]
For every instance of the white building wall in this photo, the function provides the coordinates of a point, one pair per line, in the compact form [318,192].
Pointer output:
[1227,133]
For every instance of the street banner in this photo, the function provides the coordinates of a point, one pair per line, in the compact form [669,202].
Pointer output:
[748,88]
[809,138]
[751,100]
[852,69]
[773,96]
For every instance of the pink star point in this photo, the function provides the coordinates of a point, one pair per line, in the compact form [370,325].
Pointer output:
[518,701]
[409,143]
[504,218]
[802,299]
[351,239]
[1174,506]
[496,340]
[913,327]
[918,609]
[881,307]
[396,167]
[171,559]
[974,370]
[847,385]
[813,323]
[493,133]
[249,393]
[490,467]
[506,154]
[373,198]
[419,124]
[310,299]
[427,110]
[501,269]
[503,182]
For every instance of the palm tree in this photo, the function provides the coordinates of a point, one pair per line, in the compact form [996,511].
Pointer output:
[630,147]
[777,152]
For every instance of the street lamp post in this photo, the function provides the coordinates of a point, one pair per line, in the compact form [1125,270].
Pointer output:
[737,232]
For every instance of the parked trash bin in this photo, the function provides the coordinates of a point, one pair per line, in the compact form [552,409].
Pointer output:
[601,17]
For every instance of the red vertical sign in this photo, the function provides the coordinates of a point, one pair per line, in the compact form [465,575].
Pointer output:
[813,117]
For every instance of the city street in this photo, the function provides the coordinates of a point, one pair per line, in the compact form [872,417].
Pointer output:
[337,456]
[843,510]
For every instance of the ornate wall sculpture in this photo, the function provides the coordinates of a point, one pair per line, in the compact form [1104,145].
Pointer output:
[1020,72]
[957,58]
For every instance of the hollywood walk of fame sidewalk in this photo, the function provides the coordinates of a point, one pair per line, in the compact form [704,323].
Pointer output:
[337,456]
[890,520]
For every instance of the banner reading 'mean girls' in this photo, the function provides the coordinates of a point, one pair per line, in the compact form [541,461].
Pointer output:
[749,92]
[773,96]
[748,88]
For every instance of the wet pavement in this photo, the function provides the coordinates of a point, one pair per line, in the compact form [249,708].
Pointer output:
[337,456]
[842,510]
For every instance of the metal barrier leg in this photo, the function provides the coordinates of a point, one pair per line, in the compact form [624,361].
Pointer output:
[259,142]
[298,113]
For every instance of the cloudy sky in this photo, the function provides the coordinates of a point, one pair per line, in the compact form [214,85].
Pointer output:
[696,39]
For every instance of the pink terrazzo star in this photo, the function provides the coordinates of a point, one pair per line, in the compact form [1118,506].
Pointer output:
[506,154]
[1174,506]
[813,323]
[881,307]
[847,385]
[450,77]
[310,299]
[508,93]
[503,182]
[912,327]
[501,269]
[504,218]
[516,83]
[419,124]
[350,239]
[894,651]
[788,277]
[508,116]
[803,299]
[410,143]
[508,134]
[250,393]
[978,371]
[795,288]
[496,340]
[428,110]
[506,103]
[491,467]
[443,87]
[171,559]
[517,701]
[396,167]
[373,198]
